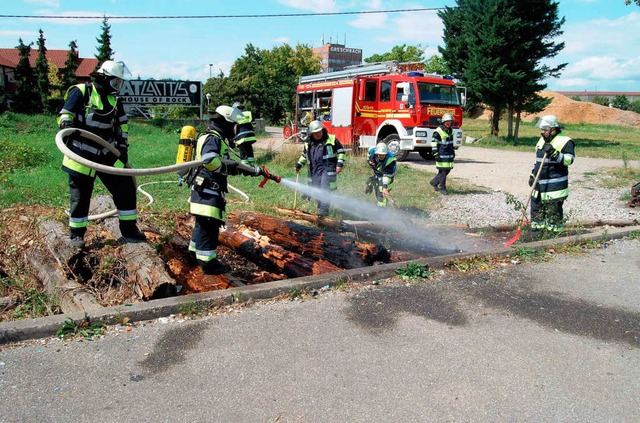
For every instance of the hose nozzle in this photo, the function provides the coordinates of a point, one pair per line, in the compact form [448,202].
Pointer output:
[268,176]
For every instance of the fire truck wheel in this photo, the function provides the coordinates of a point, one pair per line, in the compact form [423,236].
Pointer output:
[393,141]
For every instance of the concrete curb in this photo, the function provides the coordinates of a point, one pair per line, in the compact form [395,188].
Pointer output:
[22,330]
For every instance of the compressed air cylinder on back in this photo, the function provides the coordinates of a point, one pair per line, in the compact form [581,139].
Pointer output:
[186,147]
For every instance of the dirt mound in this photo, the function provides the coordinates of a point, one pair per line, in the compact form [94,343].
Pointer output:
[576,112]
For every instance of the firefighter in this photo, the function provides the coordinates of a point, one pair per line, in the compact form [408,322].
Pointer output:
[209,186]
[245,135]
[552,187]
[443,153]
[95,107]
[383,164]
[325,156]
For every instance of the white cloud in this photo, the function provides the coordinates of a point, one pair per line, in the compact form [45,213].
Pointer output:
[12,33]
[281,40]
[320,6]
[92,18]
[48,3]
[184,70]
[369,21]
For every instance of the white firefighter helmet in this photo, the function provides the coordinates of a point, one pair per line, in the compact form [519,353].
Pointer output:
[231,114]
[115,69]
[115,73]
[446,117]
[548,122]
[315,126]
[381,148]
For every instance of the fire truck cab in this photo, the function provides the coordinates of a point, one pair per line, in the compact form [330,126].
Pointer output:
[390,102]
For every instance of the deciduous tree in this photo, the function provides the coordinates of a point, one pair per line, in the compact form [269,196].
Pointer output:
[401,53]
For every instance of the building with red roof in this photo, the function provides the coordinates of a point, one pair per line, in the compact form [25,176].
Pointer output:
[9,58]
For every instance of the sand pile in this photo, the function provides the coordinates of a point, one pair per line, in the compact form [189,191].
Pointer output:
[571,111]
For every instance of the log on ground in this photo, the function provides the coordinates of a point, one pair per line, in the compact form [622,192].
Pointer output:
[258,249]
[340,250]
[52,270]
[145,269]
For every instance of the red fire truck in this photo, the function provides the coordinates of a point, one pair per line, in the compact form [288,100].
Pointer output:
[391,102]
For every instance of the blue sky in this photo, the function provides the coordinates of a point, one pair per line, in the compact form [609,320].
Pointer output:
[602,37]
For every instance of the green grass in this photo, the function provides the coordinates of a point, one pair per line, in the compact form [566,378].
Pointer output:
[30,172]
[603,141]
[36,177]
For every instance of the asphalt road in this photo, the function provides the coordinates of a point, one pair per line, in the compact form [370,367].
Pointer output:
[557,341]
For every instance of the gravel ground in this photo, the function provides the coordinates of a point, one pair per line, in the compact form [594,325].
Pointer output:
[494,173]
[487,175]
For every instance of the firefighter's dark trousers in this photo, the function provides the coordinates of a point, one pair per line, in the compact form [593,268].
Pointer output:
[322,181]
[440,180]
[246,153]
[546,214]
[122,189]
[205,240]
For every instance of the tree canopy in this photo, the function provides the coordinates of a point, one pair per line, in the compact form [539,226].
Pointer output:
[497,47]
[401,53]
[105,52]
[69,77]
[42,73]
[264,81]
[25,96]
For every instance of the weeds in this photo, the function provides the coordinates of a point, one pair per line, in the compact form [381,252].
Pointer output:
[528,254]
[414,271]
[634,235]
[86,328]
[471,264]
[298,293]
[192,309]
[35,304]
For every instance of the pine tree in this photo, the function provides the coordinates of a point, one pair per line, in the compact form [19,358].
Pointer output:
[69,76]
[496,48]
[42,74]
[104,44]
[25,96]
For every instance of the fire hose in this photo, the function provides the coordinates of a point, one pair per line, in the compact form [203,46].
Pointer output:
[127,171]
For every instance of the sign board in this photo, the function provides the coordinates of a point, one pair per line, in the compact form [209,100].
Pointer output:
[138,92]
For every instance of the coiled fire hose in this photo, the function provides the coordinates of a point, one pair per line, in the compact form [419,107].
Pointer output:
[120,171]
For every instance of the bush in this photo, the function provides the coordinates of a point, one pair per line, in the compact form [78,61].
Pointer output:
[601,100]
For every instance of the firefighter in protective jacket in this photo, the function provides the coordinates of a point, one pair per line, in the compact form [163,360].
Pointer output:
[325,156]
[383,164]
[245,135]
[443,153]
[552,187]
[209,187]
[94,107]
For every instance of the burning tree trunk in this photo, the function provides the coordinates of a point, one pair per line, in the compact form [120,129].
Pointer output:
[337,249]
[258,249]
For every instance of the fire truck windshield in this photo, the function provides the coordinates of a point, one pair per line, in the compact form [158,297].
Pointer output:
[430,93]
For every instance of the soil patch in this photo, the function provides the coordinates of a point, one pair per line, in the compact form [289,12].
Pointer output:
[576,112]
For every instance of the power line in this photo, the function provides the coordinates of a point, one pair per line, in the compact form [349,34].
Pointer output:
[280,15]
